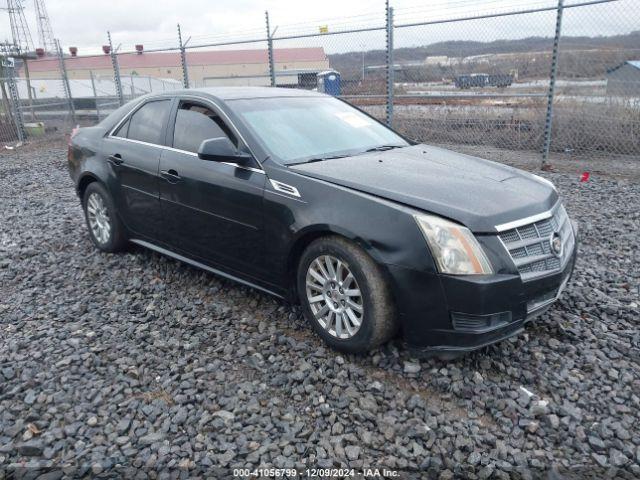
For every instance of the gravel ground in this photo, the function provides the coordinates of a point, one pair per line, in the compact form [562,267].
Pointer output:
[136,364]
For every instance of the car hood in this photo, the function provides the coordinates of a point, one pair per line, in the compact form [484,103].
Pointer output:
[475,192]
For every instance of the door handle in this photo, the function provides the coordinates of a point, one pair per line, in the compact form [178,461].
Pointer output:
[170,176]
[116,159]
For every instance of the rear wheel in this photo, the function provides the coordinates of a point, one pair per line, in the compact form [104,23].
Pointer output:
[345,296]
[105,228]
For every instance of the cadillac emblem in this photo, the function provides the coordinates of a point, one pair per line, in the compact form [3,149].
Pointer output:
[556,244]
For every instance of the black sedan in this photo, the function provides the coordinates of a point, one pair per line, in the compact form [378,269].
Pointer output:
[303,196]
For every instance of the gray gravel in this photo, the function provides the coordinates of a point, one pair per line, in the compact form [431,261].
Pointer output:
[137,364]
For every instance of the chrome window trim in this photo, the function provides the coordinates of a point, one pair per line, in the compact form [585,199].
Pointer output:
[164,147]
[193,97]
[140,142]
[527,220]
[237,165]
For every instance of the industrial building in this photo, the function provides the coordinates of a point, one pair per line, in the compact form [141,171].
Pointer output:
[624,80]
[206,68]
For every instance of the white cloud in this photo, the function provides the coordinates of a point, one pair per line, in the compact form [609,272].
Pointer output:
[84,23]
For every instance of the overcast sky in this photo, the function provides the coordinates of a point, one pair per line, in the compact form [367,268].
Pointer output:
[83,23]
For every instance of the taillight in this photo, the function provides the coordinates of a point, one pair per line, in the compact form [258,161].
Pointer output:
[69,147]
[73,133]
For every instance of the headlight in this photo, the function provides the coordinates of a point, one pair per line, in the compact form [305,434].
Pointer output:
[453,246]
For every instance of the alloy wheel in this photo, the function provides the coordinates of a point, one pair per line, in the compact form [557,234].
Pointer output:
[99,220]
[334,296]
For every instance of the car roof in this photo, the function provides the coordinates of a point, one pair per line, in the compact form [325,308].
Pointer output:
[236,93]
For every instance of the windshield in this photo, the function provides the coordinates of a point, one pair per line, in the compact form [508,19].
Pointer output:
[299,129]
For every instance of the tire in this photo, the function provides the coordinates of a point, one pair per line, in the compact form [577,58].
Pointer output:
[97,199]
[377,318]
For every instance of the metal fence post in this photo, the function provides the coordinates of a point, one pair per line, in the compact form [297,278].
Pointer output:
[552,86]
[116,71]
[15,103]
[183,60]
[272,70]
[27,77]
[95,93]
[65,82]
[390,70]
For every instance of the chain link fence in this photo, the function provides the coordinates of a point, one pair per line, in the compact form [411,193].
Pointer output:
[482,78]
[346,50]
[596,106]
[33,104]
[555,77]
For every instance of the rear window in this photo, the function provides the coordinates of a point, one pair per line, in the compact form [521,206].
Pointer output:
[146,123]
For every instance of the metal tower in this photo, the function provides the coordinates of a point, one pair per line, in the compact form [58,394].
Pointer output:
[19,27]
[12,105]
[45,32]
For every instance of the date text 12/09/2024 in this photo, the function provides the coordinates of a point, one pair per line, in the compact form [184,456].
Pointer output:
[315,473]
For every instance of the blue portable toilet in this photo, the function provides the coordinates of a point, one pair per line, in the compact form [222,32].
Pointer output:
[329,82]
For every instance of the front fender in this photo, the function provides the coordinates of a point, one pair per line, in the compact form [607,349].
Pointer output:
[385,229]
[318,229]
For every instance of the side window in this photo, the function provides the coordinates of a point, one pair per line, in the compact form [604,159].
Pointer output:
[195,123]
[147,123]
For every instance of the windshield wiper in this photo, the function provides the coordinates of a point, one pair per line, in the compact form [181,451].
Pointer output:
[382,148]
[319,159]
[379,148]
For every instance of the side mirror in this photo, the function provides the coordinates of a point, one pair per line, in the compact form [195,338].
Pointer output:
[222,150]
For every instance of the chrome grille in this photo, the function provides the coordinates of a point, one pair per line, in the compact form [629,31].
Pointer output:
[530,245]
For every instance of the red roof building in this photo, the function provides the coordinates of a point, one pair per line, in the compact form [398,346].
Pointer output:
[203,65]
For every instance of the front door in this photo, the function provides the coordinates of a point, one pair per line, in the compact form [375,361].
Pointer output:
[133,152]
[211,211]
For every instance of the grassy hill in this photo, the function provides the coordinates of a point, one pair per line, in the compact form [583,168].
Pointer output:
[594,55]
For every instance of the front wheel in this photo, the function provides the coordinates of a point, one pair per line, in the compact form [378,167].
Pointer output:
[345,296]
[105,228]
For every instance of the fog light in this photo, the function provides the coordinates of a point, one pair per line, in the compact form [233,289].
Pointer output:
[464,322]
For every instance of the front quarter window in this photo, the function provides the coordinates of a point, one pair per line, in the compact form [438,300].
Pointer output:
[297,128]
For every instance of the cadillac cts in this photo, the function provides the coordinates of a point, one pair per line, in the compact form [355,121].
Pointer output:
[303,196]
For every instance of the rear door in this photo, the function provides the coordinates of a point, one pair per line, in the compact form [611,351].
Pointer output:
[210,210]
[133,150]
